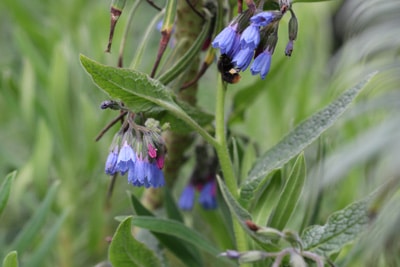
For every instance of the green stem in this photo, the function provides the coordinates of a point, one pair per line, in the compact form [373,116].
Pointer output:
[222,149]
[225,160]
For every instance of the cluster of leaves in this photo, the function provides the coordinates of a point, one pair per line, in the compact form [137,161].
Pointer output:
[342,227]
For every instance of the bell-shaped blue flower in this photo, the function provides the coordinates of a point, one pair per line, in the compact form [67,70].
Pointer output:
[111,162]
[250,37]
[225,40]
[126,158]
[262,19]
[262,64]
[186,199]
[243,58]
[208,195]
[155,176]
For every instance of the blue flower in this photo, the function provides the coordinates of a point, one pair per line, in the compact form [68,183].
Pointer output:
[262,19]
[111,162]
[208,196]
[126,158]
[250,37]
[186,199]
[155,176]
[243,58]
[225,40]
[147,174]
[261,64]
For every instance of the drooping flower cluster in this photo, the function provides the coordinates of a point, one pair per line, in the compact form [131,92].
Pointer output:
[207,197]
[138,151]
[203,181]
[254,34]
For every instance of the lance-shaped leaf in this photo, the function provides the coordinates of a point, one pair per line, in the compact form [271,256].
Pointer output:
[289,196]
[137,90]
[187,253]
[243,216]
[297,140]
[127,251]
[5,190]
[176,229]
[341,228]
[140,93]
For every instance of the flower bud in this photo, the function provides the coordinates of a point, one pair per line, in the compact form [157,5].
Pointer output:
[270,233]
[251,256]
[293,27]
[297,260]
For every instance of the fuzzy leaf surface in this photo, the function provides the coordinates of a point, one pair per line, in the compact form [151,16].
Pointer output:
[298,139]
[341,228]
[126,251]
[140,93]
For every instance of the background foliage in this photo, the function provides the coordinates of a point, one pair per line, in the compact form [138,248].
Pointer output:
[57,214]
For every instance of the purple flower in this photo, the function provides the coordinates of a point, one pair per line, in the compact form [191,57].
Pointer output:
[250,37]
[261,64]
[126,158]
[225,39]
[208,196]
[186,200]
[243,58]
[111,162]
[262,19]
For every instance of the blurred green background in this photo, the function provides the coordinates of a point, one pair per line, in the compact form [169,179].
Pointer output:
[50,116]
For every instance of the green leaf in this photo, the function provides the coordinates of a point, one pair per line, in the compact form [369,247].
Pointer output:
[171,207]
[5,190]
[187,253]
[289,196]
[126,251]
[341,228]
[176,229]
[140,93]
[137,90]
[266,199]
[242,216]
[32,227]
[11,260]
[298,139]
